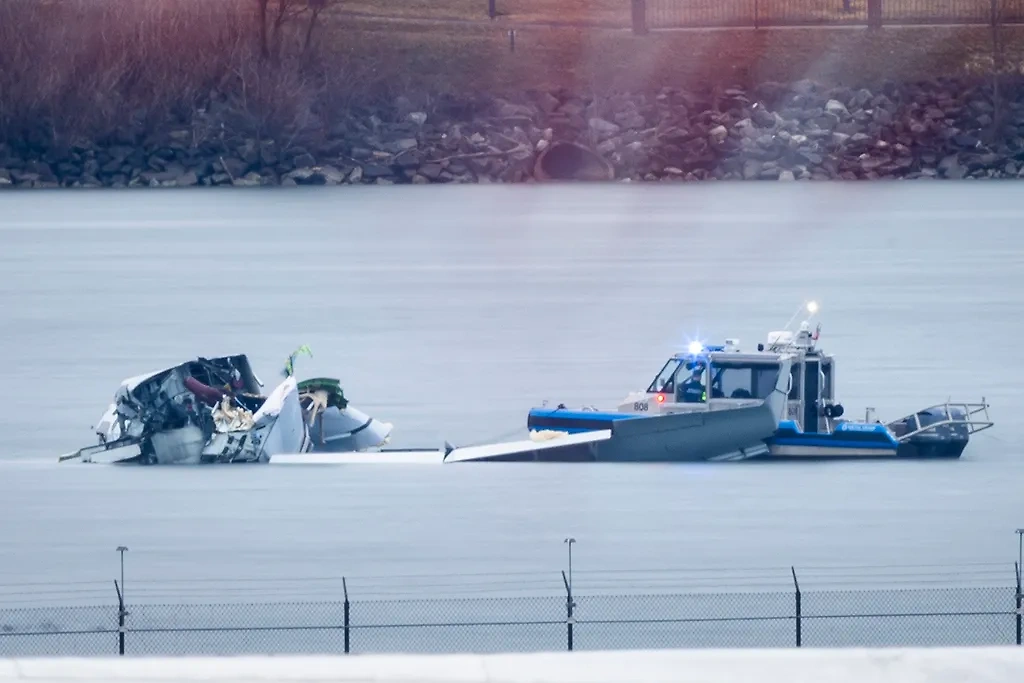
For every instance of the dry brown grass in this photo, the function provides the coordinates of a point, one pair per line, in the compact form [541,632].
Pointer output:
[593,61]
[88,68]
[119,69]
[587,12]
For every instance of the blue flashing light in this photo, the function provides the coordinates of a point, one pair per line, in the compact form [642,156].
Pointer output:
[699,350]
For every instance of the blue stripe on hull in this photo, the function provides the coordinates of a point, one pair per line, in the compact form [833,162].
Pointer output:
[846,434]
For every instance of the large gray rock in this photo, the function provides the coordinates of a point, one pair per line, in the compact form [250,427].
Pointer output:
[602,128]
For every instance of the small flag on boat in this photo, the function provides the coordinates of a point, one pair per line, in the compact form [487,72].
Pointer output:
[289,366]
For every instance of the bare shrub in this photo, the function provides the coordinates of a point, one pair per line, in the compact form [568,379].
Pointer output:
[271,101]
[120,69]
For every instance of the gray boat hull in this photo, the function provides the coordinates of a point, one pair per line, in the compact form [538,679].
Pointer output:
[688,437]
[700,435]
[682,437]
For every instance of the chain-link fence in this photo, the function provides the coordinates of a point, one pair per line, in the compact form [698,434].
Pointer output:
[654,14]
[764,13]
[899,617]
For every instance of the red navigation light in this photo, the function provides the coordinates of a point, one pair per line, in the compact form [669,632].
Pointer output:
[661,398]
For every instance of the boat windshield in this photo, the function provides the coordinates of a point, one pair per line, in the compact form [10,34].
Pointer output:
[666,379]
[743,380]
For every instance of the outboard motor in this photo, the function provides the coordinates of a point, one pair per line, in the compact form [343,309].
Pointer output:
[944,441]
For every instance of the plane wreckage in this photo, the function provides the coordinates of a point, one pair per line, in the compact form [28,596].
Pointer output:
[212,410]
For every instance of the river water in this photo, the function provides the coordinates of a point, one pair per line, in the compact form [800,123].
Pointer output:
[449,312]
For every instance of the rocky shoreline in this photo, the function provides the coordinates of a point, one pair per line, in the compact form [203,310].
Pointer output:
[937,129]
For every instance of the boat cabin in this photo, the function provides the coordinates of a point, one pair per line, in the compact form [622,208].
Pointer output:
[724,377]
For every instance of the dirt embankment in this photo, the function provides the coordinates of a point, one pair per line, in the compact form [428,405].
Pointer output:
[177,93]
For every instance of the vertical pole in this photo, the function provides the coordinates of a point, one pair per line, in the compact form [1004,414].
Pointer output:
[120,619]
[639,16]
[875,13]
[492,10]
[344,587]
[568,610]
[799,610]
[1020,611]
[1020,550]
[121,550]
[569,541]
[121,612]
[1018,569]
[997,67]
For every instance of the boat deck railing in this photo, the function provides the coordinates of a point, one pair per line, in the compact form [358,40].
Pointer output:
[967,419]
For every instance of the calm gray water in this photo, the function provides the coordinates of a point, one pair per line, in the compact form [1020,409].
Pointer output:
[451,311]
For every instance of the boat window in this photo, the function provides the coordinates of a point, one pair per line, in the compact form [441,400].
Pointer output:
[732,382]
[826,369]
[691,382]
[665,381]
[736,380]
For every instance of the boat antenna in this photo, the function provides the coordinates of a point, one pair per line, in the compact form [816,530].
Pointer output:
[808,306]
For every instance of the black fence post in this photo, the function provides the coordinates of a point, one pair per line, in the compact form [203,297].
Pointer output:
[492,9]
[344,587]
[120,619]
[799,610]
[639,16]
[875,13]
[569,621]
[1020,610]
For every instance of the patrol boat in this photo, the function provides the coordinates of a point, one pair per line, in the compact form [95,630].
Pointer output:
[708,379]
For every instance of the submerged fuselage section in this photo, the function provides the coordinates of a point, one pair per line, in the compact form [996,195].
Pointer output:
[212,410]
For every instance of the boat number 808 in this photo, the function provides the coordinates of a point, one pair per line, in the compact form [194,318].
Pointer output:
[640,406]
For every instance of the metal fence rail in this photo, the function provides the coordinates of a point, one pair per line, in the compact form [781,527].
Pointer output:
[752,13]
[895,617]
